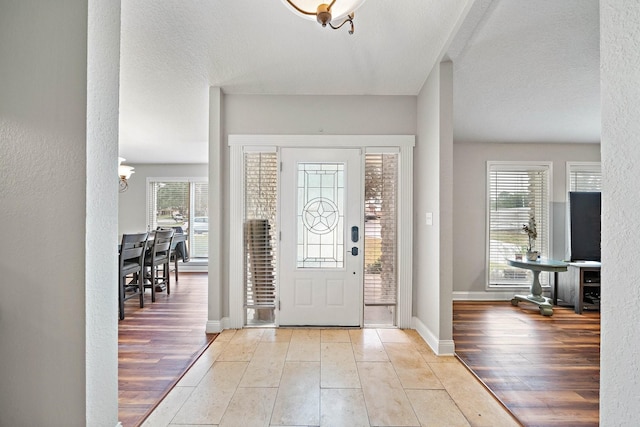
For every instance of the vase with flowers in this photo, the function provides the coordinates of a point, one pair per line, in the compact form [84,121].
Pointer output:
[532,234]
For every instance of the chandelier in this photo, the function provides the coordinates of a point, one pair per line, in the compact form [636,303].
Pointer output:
[341,11]
[124,172]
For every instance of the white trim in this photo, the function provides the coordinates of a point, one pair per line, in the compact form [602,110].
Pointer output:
[151,179]
[381,143]
[213,327]
[381,150]
[236,238]
[193,267]
[439,347]
[483,296]
[325,141]
[258,149]
[119,424]
[405,238]
[520,164]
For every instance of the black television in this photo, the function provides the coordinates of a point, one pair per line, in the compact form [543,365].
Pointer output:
[585,210]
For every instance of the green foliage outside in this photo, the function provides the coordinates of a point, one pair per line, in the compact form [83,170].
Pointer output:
[508,200]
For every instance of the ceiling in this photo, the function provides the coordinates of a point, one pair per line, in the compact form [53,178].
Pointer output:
[524,70]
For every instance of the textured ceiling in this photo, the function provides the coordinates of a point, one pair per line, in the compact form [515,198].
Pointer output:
[521,67]
[528,71]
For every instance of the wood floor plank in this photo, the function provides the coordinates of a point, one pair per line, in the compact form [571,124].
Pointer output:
[158,343]
[544,369]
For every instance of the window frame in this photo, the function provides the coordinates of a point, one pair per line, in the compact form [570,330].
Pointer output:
[547,230]
[191,181]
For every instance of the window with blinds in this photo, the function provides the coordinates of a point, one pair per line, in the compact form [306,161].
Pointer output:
[584,176]
[581,177]
[260,213]
[184,204]
[380,235]
[515,192]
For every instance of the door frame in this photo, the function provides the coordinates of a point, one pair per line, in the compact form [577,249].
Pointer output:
[402,144]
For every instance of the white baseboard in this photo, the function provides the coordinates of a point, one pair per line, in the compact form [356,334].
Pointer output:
[217,326]
[193,268]
[485,296]
[213,327]
[439,347]
[491,295]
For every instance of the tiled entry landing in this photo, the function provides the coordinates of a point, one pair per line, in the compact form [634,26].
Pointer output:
[327,377]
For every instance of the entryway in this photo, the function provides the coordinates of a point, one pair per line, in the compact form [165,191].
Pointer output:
[320,231]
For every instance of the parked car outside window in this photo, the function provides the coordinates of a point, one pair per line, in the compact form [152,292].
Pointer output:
[201,224]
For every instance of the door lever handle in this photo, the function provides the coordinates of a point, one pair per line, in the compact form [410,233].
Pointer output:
[354,251]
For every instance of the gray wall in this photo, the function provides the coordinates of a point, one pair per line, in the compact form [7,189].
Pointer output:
[432,190]
[58,139]
[307,115]
[620,74]
[469,203]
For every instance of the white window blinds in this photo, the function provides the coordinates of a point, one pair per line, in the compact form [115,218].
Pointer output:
[181,203]
[260,213]
[584,176]
[380,229]
[515,191]
[168,204]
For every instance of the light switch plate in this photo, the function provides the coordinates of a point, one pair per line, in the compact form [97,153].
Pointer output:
[429,218]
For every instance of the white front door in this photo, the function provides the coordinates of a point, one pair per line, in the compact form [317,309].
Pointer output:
[321,241]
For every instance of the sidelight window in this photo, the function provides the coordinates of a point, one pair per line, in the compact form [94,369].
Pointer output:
[380,231]
[260,243]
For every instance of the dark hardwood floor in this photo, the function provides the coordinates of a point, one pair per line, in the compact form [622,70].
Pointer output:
[545,370]
[158,343]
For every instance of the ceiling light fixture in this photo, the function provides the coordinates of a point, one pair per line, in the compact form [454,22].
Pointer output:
[124,172]
[326,14]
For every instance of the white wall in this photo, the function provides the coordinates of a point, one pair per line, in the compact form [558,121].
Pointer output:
[132,212]
[620,74]
[51,120]
[469,203]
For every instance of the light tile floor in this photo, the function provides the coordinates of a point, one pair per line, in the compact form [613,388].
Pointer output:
[327,377]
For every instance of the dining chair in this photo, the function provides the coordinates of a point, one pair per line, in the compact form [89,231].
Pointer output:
[178,248]
[159,256]
[130,265]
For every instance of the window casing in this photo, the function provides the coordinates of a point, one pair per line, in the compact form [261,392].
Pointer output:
[514,192]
